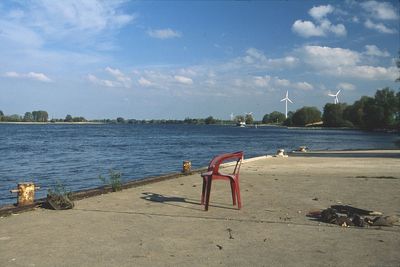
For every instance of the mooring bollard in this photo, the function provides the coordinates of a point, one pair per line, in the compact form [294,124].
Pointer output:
[281,153]
[302,149]
[26,193]
[187,167]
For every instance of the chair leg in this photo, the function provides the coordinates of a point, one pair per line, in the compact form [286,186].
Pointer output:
[238,195]
[203,192]
[233,189]
[208,191]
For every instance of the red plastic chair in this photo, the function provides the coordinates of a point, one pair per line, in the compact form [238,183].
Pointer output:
[213,173]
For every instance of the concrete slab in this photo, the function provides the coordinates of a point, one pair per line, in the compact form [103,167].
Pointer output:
[163,224]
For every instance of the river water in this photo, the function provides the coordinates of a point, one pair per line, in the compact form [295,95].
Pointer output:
[76,155]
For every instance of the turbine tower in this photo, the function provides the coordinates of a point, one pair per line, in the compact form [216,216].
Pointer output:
[286,99]
[232,117]
[336,100]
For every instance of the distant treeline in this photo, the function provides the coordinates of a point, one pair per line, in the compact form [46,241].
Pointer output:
[34,116]
[379,112]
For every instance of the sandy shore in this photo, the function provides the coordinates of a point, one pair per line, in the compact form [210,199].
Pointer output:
[163,224]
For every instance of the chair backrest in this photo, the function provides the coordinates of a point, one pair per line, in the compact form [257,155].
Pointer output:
[219,159]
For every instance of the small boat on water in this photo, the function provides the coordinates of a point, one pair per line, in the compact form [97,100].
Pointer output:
[241,124]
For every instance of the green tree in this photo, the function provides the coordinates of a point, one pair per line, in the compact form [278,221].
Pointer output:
[276,117]
[13,118]
[289,119]
[209,120]
[265,118]
[68,118]
[387,100]
[78,119]
[40,116]
[333,115]
[249,118]
[306,115]
[1,115]
[398,66]
[374,115]
[355,113]
[239,118]
[120,120]
[28,116]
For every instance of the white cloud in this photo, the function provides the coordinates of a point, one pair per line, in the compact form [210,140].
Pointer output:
[380,27]
[380,10]
[73,15]
[373,50]
[281,82]
[120,79]
[346,86]
[107,83]
[288,61]
[322,27]
[164,33]
[15,35]
[183,79]
[327,57]
[303,86]
[343,63]
[31,75]
[272,83]
[319,12]
[306,29]
[262,81]
[38,76]
[11,74]
[369,72]
[338,30]
[187,71]
[124,80]
[144,82]
[88,23]
[257,59]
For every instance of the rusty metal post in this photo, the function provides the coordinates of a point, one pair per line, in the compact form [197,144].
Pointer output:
[26,193]
[187,167]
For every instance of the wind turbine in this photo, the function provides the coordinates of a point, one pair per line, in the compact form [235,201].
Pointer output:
[232,117]
[336,100]
[286,99]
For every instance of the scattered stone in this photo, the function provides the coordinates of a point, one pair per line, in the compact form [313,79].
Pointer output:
[302,149]
[230,233]
[385,220]
[347,216]
[315,199]
[220,247]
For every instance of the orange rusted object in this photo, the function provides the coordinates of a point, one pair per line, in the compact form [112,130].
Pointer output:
[187,166]
[26,193]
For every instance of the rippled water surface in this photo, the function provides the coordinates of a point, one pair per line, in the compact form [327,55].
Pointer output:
[77,154]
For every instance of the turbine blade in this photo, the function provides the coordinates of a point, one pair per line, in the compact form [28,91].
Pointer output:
[331,94]
[283,99]
[290,100]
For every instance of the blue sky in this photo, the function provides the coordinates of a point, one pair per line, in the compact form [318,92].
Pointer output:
[171,60]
